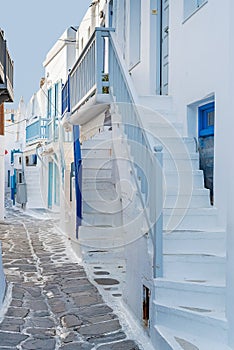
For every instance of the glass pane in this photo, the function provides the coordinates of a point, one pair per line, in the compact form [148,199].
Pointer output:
[210,118]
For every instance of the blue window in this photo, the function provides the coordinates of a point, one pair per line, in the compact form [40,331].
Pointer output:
[191,6]
[206,115]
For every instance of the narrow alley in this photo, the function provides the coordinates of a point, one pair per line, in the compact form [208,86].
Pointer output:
[50,303]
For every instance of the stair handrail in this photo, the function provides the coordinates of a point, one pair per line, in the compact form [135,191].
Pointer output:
[117,68]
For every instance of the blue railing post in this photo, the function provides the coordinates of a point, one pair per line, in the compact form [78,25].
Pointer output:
[78,176]
[99,69]
[158,225]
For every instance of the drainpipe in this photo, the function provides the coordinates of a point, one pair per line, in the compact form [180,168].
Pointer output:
[2,164]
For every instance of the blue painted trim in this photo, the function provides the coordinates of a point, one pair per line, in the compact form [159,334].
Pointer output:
[78,176]
[203,128]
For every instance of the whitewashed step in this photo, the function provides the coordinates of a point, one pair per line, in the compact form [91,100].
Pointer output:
[181,162]
[101,206]
[173,179]
[96,152]
[194,242]
[92,194]
[156,102]
[195,267]
[101,237]
[171,339]
[200,324]
[188,294]
[99,219]
[164,129]
[92,173]
[97,185]
[194,198]
[97,143]
[97,163]
[190,219]
[178,145]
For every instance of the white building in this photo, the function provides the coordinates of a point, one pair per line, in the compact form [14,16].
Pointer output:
[164,79]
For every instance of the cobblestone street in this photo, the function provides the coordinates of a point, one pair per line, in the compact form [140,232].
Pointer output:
[52,304]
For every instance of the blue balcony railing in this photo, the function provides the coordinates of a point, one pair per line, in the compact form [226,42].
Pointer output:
[66,97]
[53,130]
[6,72]
[37,130]
[89,76]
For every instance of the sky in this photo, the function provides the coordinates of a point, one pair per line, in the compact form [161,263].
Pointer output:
[31,29]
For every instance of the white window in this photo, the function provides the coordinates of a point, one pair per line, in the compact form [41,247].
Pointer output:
[191,6]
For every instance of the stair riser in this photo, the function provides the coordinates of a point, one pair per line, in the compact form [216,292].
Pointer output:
[96,153]
[96,173]
[178,165]
[97,163]
[178,321]
[97,186]
[88,195]
[98,219]
[176,145]
[185,269]
[172,180]
[189,222]
[206,300]
[194,246]
[172,201]
[97,143]
[167,131]
[101,207]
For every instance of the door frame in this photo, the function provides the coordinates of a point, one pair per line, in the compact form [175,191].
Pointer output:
[50,184]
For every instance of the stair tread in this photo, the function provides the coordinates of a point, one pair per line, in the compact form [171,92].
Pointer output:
[185,341]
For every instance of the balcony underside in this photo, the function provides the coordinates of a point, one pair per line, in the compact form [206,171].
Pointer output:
[6,93]
[96,105]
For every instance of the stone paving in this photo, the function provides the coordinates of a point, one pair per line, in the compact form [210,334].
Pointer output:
[53,305]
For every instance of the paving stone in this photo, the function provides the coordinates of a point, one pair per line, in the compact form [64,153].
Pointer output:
[76,346]
[97,310]
[39,344]
[16,302]
[41,333]
[124,345]
[43,322]
[107,338]
[100,328]
[70,321]
[87,300]
[11,339]
[17,312]
[34,305]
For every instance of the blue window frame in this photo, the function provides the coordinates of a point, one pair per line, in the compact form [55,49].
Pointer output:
[49,103]
[206,116]
[191,6]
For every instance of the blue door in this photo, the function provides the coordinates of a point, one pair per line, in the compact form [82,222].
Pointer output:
[78,176]
[50,184]
[206,145]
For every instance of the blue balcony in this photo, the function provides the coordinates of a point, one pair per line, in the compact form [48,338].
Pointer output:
[88,81]
[37,130]
[6,72]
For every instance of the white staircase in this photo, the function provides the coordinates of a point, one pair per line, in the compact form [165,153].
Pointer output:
[34,187]
[101,221]
[189,301]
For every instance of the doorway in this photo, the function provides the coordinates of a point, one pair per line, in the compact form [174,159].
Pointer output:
[206,114]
